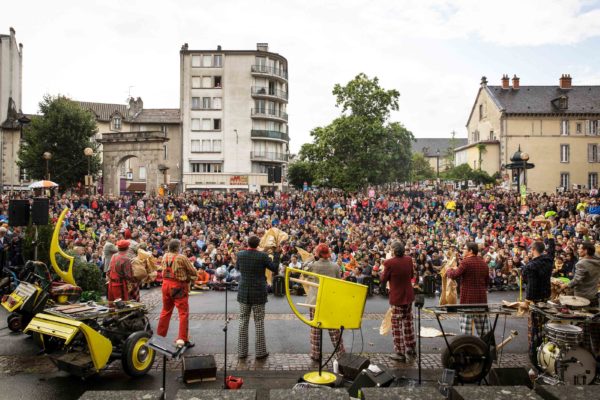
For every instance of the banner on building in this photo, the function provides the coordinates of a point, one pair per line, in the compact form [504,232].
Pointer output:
[238,180]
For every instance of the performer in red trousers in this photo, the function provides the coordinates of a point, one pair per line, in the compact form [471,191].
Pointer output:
[178,273]
[120,273]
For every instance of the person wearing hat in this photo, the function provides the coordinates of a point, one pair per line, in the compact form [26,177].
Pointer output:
[322,266]
[120,273]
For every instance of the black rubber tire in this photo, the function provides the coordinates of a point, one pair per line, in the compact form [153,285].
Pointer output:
[128,354]
[15,322]
[467,345]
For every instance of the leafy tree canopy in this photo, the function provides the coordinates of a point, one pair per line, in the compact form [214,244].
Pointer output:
[299,172]
[464,172]
[64,130]
[420,168]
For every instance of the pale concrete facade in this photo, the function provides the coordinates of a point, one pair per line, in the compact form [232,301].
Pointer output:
[558,126]
[11,67]
[233,117]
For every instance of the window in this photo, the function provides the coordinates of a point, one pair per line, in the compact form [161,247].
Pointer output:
[206,167]
[206,124]
[578,127]
[260,106]
[216,145]
[142,173]
[216,103]
[195,124]
[196,82]
[206,145]
[207,82]
[217,81]
[117,123]
[475,136]
[207,60]
[165,152]
[564,153]
[196,146]
[217,168]
[261,61]
[218,60]
[195,61]
[206,102]
[492,136]
[23,175]
[593,180]
[482,111]
[271,107]
[195,103]
[217,124]
[564,180]
[592,153]
[564,127]
[593,127]
[195,167]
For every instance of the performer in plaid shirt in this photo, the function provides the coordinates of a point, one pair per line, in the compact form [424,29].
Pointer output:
[252,295]
[475,276]
[399,272]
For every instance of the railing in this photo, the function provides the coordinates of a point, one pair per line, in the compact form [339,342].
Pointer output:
[268,155]
[268,112]
[257,133]
[265,91]
[263,69]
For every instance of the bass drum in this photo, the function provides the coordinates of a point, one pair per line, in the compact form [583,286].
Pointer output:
[576,366]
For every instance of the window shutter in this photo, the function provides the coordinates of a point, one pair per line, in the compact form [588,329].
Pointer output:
[591,153]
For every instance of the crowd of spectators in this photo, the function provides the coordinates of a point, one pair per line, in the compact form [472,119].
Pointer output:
[358,228]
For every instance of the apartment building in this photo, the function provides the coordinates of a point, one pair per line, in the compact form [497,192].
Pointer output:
[556,125]
[234,118]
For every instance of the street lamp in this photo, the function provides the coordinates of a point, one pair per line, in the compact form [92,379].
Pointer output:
[438,162]
[47,156]
[89,152]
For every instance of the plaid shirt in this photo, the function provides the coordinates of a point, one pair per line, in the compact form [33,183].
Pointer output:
[181,268]
[475,277]
[253,283]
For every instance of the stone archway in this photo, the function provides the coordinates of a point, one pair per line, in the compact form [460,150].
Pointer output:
[146,146]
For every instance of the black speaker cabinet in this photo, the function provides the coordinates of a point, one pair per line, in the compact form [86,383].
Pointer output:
[18,212]
[351,365]
[367,378]
[40,210]
[199,369]
[510,377]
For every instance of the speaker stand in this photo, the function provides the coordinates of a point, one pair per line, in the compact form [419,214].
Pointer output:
[321,377]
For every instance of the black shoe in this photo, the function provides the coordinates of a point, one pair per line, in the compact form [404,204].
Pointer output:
[398,357]
[411,353]
[189,344]
[242,357]
[262,357]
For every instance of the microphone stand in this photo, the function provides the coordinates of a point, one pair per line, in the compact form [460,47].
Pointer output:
[419,303]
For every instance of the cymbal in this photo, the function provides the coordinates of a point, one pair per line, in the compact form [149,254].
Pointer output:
[574,301]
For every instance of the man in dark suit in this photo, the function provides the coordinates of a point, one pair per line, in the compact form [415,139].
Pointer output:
[252,295]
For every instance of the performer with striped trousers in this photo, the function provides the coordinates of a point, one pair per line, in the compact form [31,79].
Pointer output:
[398,271]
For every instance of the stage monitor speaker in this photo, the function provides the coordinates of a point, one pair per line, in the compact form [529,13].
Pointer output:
[277,175]
[40,210]
[199,369]
[367,378]
[270,175]
[510,377]
[18,212]
[351,365]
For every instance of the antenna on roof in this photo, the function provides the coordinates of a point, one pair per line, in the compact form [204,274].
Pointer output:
[129,93]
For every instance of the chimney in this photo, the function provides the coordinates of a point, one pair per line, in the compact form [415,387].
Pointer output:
[565,81]
[262,46]
[184,47]
[483,81]
[219,48]
[515,80]
[505,82]
[12,31]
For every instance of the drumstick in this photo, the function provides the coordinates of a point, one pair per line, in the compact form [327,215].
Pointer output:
[508,339]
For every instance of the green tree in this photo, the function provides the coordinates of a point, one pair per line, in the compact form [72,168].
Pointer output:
[63,129]
[461,172]
[301,171]
[452,145]
[420,168]
[360,147]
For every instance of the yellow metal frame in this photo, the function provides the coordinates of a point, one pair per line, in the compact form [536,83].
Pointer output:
[66,276]
[99,346]
[338,304]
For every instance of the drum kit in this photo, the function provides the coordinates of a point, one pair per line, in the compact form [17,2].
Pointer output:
[562,356]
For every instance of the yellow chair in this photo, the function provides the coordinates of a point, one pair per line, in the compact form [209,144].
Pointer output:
[55,249]
[339,305]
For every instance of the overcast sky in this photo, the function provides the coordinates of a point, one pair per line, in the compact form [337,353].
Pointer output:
[433,52]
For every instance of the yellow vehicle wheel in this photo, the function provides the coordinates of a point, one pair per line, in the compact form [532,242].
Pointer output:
[137,358]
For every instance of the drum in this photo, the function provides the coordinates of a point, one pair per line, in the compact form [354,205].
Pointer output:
[576,366]
[563,335]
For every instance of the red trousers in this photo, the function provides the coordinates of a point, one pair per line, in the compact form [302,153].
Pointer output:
[174,294]
[117,291]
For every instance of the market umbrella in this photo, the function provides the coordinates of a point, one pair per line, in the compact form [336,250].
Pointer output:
[43,185]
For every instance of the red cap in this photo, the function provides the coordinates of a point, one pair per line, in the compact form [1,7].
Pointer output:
[322,251]
[123,244]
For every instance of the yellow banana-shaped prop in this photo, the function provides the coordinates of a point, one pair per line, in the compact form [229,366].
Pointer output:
[66,276]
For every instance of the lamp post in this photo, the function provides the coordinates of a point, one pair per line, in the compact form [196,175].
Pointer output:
[89,152]
[437,156]
[47,156]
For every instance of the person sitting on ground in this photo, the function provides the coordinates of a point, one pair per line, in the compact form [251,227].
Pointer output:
[201,282]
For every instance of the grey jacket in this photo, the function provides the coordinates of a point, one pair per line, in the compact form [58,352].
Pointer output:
[321,267]
[107,253]
[587,275]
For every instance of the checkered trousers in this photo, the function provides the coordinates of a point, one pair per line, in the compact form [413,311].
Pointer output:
[403,330]
[259,324]
[315,339]
[478,321]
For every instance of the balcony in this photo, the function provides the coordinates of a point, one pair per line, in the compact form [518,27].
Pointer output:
[263,134]
[263,91]
[263,70]
[268,113]
[268,156]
